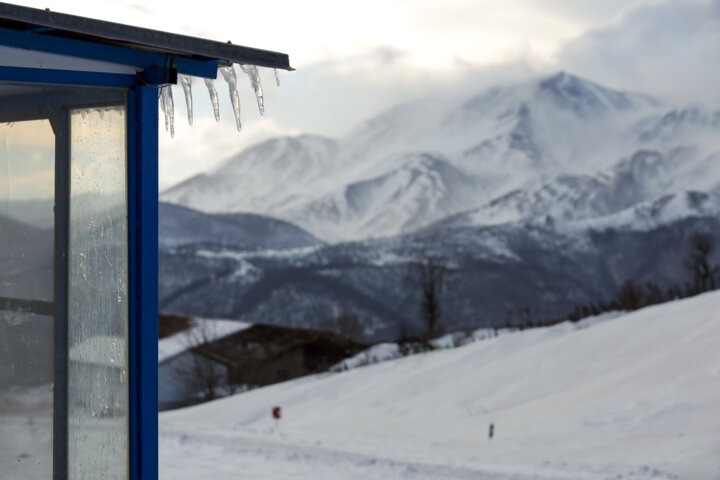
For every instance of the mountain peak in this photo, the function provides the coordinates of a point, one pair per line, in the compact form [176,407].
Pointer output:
[560,78]
[583,97]
[587,98]
[568,83]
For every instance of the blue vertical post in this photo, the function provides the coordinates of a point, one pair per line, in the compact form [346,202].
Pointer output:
[143,209]
[61,126]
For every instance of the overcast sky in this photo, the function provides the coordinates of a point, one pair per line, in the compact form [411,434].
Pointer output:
[355,58]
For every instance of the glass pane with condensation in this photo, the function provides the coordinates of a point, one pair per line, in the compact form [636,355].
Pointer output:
[26,396]
[27,186]
[27,167]
[98,297]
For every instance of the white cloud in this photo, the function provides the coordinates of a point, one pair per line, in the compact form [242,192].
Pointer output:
[669,48]
[587,13]
[314,31]
[355,59]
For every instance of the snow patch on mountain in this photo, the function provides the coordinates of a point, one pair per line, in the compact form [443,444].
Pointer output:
[648,215]
[636,188]
[422,188]
[260,179]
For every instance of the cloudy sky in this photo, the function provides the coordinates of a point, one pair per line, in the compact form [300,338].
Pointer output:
[355,58]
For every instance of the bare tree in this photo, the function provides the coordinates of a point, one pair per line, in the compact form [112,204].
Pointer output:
[344,323]
[697,261]
[429,274]
[203,373]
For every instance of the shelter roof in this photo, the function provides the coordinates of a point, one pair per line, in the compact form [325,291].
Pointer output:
[46,23]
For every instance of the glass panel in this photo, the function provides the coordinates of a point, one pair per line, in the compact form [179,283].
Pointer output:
[26,397]
[27,186]
[27,165]
[98,299]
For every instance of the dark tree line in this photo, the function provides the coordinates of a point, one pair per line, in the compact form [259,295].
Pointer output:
[704,277]
[429,276]
[698,262]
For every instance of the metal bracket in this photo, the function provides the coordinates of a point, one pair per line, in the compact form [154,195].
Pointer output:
[158,76]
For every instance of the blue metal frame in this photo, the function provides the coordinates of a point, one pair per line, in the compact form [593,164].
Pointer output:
[66,77]
[142,146]
[61,232]
[143,260]
[107,53]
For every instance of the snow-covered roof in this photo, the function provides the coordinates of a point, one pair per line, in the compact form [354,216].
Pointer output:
[209,329]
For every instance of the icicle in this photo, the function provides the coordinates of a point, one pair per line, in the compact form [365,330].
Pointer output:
[210,84]
[228,74]
[252,72]
[186,82]
[168,108]
[277,77]
[162,108]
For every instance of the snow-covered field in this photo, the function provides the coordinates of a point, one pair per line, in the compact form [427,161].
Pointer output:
[633,397]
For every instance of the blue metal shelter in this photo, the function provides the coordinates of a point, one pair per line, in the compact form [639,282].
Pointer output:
[78,238]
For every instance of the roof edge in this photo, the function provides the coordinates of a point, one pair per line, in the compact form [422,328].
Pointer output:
[144,38]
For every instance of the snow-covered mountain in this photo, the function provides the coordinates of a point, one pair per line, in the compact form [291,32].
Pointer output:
[560,146]
[630,398]
[646,177]
[540,195]
[262,179]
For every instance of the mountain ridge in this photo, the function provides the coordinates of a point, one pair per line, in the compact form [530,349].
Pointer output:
[539,196]
[504,139]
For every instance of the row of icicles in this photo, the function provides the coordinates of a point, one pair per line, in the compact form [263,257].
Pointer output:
[228,73]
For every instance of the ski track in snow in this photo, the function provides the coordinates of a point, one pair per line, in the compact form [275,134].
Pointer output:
[270,454]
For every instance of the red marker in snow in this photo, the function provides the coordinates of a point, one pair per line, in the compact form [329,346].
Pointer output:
[277,415]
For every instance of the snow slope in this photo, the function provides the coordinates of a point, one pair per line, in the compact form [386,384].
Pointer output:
[179,227]
[631,398]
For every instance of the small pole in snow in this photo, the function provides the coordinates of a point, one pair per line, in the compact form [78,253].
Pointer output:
[277,415]
[491,432]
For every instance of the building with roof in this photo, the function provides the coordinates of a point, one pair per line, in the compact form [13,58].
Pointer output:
[216,357]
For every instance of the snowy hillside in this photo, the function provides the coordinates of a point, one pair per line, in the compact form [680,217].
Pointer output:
[631,398]
[560,145]
[495,270]
[179,227]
